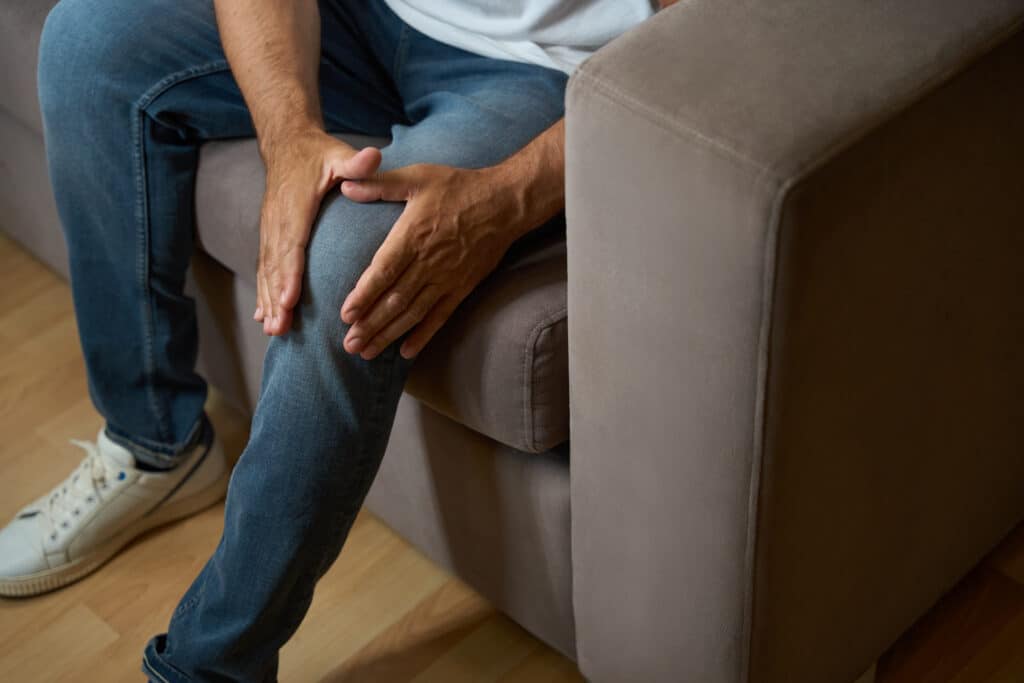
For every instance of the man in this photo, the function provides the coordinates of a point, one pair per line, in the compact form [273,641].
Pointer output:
[363,256]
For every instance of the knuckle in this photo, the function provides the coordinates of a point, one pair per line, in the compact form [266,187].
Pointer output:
[418,311]
[397,301]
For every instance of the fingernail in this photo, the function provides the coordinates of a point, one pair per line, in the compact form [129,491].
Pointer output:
[256,314]
[355,344]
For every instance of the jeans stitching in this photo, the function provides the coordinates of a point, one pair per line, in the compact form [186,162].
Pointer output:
[151,670]
[142,272]
[143,241]
[383,390]
[159,453]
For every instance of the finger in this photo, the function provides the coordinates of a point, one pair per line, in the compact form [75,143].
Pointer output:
[258,315]
[291,289]
[289,286]
[388,186]
[342,163]
[284,322]
[268,315]
[388,264]
[262,307]
[428,327]
[390,305]
[284,276]
[403,322]
[273,277]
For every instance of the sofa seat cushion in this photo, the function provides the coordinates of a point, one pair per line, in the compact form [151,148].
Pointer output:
[500,364]
[21,24]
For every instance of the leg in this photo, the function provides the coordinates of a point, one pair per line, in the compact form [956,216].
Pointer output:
[122,168]
[324,417]
[129,89]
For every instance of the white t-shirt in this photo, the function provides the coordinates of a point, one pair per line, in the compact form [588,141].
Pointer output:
[557,34]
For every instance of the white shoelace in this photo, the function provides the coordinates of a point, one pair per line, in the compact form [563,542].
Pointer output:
[81,487]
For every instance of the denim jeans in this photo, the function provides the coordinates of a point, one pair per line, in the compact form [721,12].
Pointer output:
[129,90]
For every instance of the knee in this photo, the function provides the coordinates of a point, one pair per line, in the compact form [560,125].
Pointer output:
[89,50]
[73,50]
[343,242]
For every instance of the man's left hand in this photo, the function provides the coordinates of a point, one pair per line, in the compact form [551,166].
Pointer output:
[456,226]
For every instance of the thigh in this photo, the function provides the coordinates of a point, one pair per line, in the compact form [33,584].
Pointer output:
[470,111]
[164,58]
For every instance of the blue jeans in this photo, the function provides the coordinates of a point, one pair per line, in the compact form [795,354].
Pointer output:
[129,90]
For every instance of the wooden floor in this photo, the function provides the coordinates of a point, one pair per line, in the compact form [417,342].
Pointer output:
[383,613]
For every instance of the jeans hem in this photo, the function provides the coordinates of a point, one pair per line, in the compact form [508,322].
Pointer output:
[156,669]
[157,454]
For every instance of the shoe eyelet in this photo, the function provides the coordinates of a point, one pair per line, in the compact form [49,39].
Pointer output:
[64,525]
[90,499]
[53,536]
[121,476]
[77,512]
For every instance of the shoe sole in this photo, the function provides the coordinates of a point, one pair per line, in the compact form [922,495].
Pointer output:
[58,577]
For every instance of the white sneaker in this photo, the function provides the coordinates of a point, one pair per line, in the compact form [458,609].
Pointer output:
[98,509]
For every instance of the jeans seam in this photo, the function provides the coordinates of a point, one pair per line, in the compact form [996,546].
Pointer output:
[383,390]
[151,670]
[143,241]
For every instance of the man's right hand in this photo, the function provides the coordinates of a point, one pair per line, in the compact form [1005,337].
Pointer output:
[301,168]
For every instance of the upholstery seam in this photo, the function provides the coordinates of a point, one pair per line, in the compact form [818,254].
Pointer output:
[663,120]
[684,128]
[529,353]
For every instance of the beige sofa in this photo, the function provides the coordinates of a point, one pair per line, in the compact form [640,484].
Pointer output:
[791,371]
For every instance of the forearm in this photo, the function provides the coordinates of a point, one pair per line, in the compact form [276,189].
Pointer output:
[273,48]
[535,175]
[535,178]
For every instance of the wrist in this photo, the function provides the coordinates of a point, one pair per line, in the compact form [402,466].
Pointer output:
[272,140]
[532,193]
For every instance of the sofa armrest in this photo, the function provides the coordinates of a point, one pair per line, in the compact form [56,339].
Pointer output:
[748,202]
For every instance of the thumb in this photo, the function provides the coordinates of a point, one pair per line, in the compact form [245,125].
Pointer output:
[341,163]
[389,186]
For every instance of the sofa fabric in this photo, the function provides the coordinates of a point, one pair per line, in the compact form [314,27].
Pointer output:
[21,24]
[825,369]
[27,210]
[495,516]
